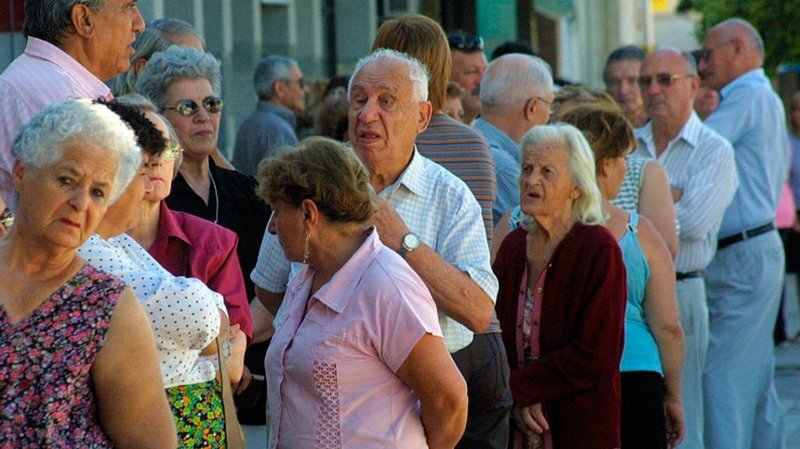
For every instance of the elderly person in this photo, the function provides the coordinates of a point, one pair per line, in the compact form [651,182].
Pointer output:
[562,299]
[654,344]
[73,47]
[281,91]
[185,85]
[361,328]
[185,316]
[69,333]
[461,150]
[184,244]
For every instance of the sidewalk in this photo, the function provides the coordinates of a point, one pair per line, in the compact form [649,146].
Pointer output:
[787,381]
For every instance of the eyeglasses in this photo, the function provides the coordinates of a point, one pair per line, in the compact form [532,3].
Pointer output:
[300,82]
[704,53]
[188,108]
[170,152]
[465,42]
[663,79]
[7,218]
[553,105]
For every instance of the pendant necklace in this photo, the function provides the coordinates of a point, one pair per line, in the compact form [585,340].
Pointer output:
[216,198]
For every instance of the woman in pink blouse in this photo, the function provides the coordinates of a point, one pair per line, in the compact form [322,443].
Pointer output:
[358,359]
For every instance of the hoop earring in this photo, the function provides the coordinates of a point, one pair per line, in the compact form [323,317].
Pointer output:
[306,251]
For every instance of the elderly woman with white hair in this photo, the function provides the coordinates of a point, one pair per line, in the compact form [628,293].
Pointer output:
[185,85]
[69,333]
[562,299]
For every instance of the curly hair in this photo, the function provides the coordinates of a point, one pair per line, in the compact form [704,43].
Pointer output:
[149,138]
[324,171]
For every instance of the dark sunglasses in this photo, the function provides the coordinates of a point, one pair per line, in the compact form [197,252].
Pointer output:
[465,42]
[663,79]
[188,108]
[703,54]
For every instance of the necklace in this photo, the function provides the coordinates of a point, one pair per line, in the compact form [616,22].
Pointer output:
[216,197]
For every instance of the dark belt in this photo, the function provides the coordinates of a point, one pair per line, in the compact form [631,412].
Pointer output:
[744,235]
[688,275]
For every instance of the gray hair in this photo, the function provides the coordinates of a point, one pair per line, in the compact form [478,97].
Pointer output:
[417,72]
[41,141]
[175,27]
[270,69]
[49,20]
[510,79]
[588,208]
[174,64]
[147,43]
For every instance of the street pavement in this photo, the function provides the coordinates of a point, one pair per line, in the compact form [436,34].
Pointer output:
[787,381]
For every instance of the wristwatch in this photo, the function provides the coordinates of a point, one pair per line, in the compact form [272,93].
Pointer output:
[410,243]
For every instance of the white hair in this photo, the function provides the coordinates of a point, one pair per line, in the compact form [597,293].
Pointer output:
[417,71]
[510,78]
[41,141]
[588,208]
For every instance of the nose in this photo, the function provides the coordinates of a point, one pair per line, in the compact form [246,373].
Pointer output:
[702,65]
[80,199]
[369,112]
[271,224]
[137,21]
[201,115]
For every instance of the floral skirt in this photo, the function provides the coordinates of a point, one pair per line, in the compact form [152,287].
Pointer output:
[199,415]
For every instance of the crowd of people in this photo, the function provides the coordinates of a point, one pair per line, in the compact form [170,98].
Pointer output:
[460,253]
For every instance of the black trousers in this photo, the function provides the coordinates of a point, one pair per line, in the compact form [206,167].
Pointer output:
[484,366]
[643,422]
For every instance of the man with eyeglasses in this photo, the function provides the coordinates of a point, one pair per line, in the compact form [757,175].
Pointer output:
[469,63]
[702,174]
[516,95]
[72,48]
[620,73]
[281,94]
[745,278]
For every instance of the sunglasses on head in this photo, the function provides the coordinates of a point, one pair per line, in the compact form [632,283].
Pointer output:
[7,218]
[663,79]
[465,42]
[188,108]
[170,152]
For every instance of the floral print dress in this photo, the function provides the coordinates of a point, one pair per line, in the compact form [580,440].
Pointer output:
[46,387]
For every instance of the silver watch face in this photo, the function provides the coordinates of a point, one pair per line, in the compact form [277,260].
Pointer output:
[410,241]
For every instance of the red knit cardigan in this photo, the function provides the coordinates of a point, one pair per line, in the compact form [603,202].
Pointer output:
[581,336]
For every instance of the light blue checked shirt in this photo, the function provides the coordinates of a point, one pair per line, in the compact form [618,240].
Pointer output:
[441,210]
[507,165]
[701,163]
[750,115]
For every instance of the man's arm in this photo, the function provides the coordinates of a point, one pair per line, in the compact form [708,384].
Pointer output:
[454,291]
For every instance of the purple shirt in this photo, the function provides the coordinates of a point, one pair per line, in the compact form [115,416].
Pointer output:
[331,366]
[44,74]
[190,246]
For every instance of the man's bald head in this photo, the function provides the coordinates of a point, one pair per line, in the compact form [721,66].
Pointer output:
[732,48]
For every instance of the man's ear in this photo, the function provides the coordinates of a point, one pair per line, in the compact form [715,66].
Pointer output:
[17,173]
[425,114]
[529,108]
[82,20]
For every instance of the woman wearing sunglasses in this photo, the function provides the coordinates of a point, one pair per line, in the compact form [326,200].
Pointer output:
[185,84]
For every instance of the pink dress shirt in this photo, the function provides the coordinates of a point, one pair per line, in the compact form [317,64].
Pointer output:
[44,74]
[331,366]
[190,246]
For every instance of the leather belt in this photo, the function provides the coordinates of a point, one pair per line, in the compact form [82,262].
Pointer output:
[688,275]
[744,235]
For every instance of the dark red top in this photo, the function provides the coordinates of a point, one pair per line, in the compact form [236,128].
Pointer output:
[581,336]
[187,245]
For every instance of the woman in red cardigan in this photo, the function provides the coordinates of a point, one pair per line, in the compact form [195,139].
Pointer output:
[562,298]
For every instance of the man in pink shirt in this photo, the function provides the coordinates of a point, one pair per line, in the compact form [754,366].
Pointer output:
[73,46]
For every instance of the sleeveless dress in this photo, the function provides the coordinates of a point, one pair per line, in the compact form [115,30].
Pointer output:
[628,197]
[46,387]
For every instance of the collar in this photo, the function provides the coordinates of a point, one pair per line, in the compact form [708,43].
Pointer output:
[755,75]
[689,133]
[40,49]
[274,108]
[413,177]
[499,139]
[336,293]
[168,226]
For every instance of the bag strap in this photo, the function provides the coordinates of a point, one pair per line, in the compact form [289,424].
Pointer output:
[233,431]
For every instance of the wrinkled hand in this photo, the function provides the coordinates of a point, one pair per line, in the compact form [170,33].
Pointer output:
[675,424]
[238,345]
[391,227]
[239,388]
[532,424]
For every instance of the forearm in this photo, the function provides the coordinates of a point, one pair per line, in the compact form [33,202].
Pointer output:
[670,344]
[454,292]
[270,300]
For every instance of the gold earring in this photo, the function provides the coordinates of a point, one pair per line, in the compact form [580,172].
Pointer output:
[306,251]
